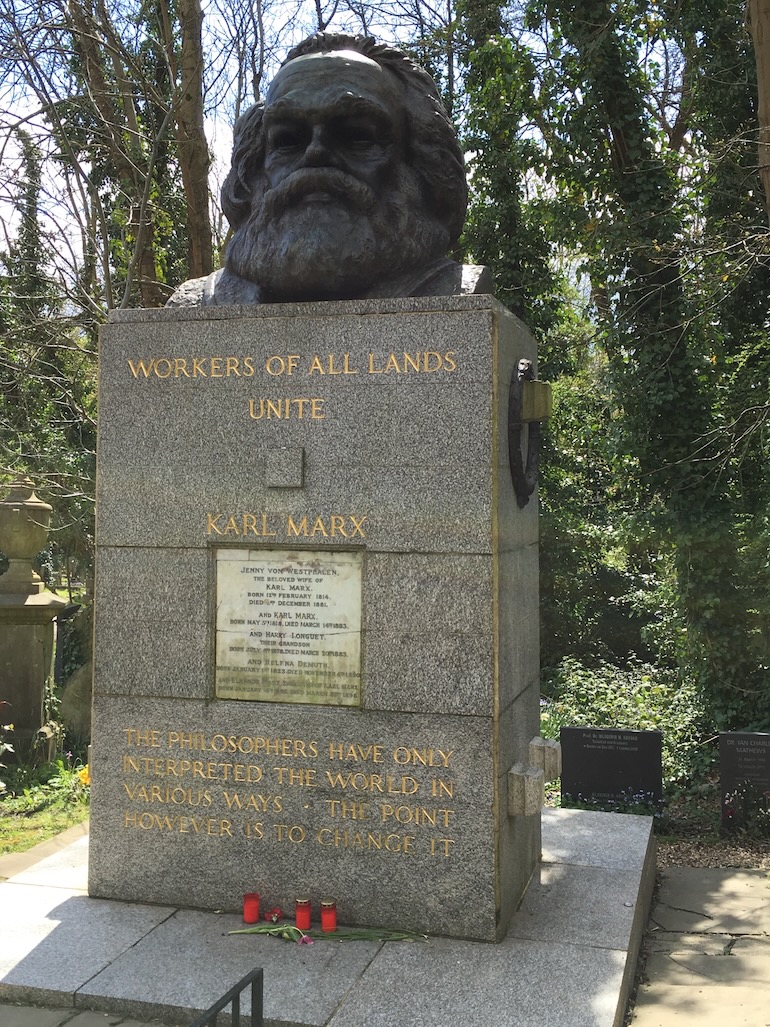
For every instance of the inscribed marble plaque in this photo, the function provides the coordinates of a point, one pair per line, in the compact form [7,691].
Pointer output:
[288,626]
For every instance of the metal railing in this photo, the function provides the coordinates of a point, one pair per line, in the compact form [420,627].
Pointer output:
[233,998]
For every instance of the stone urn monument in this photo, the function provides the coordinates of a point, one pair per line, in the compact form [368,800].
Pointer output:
[27,612]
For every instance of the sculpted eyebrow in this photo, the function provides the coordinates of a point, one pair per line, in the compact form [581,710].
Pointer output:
[347,106]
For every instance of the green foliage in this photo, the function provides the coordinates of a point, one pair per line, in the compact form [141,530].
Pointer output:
[638,697]
[42,801]
[748,811]
[5,746]
[614,145]
[47,382]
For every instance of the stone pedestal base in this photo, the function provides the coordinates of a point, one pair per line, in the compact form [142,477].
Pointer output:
[373,766]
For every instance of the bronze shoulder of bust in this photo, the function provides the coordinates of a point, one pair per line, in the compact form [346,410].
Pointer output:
[224,289]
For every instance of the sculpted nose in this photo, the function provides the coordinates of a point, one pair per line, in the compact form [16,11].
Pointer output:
[318,152]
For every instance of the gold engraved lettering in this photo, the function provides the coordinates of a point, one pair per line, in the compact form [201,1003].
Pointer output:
[358,753]
[358,781]
[338,526]
[296,776]
[318,527]
[293,832]
[440,846]
[296,529]
[173,795]
[421,757]
[358,526]
[254,830]
[182,825]
[418,815]
[140,367]
[150,739]
[167,367]
[352,810]
[276,365]
[420,362]
[249,525]
[286,409]
[439,787]
[365,840]
[254,800]
[335,527]
[201,367]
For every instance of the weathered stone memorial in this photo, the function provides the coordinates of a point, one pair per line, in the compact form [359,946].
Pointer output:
[27,613]
[744,777]
[316,635]
[611,767]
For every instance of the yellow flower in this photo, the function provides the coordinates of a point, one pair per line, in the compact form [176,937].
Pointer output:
[84,775]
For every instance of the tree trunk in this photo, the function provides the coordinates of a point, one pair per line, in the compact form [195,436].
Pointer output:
[192,147]
[759,16]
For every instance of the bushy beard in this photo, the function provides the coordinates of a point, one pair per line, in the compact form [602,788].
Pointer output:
[322,235]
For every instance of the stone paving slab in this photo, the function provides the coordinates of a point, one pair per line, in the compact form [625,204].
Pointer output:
[13,863]
[33,1016]
[695,960]
[179,970]
[579,905]
[516,984]
[61,939]
[65,868]
[713,901]
[594,841]
[708,1006]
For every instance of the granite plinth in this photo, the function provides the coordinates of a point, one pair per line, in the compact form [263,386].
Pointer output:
[379,427]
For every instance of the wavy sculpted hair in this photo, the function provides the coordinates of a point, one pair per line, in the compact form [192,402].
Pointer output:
[432,149]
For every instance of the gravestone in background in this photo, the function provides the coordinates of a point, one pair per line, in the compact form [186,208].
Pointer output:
[611,767]
[316,636]
[744,777]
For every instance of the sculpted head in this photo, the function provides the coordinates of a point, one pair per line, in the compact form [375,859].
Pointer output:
[348,174]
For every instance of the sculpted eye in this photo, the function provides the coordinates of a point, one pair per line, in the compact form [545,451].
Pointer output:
[358,134]
[285,137]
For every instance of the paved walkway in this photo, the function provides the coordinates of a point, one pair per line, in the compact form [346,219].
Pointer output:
[709,951]
[708,941]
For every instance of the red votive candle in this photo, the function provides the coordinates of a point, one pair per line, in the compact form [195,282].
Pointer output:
[302,914]
[251,907]
[328,915]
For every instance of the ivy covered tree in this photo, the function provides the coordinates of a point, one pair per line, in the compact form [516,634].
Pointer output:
[621,139]
[47,379]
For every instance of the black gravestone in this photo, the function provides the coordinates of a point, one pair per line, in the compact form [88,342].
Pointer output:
[611,768]
[744,775]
